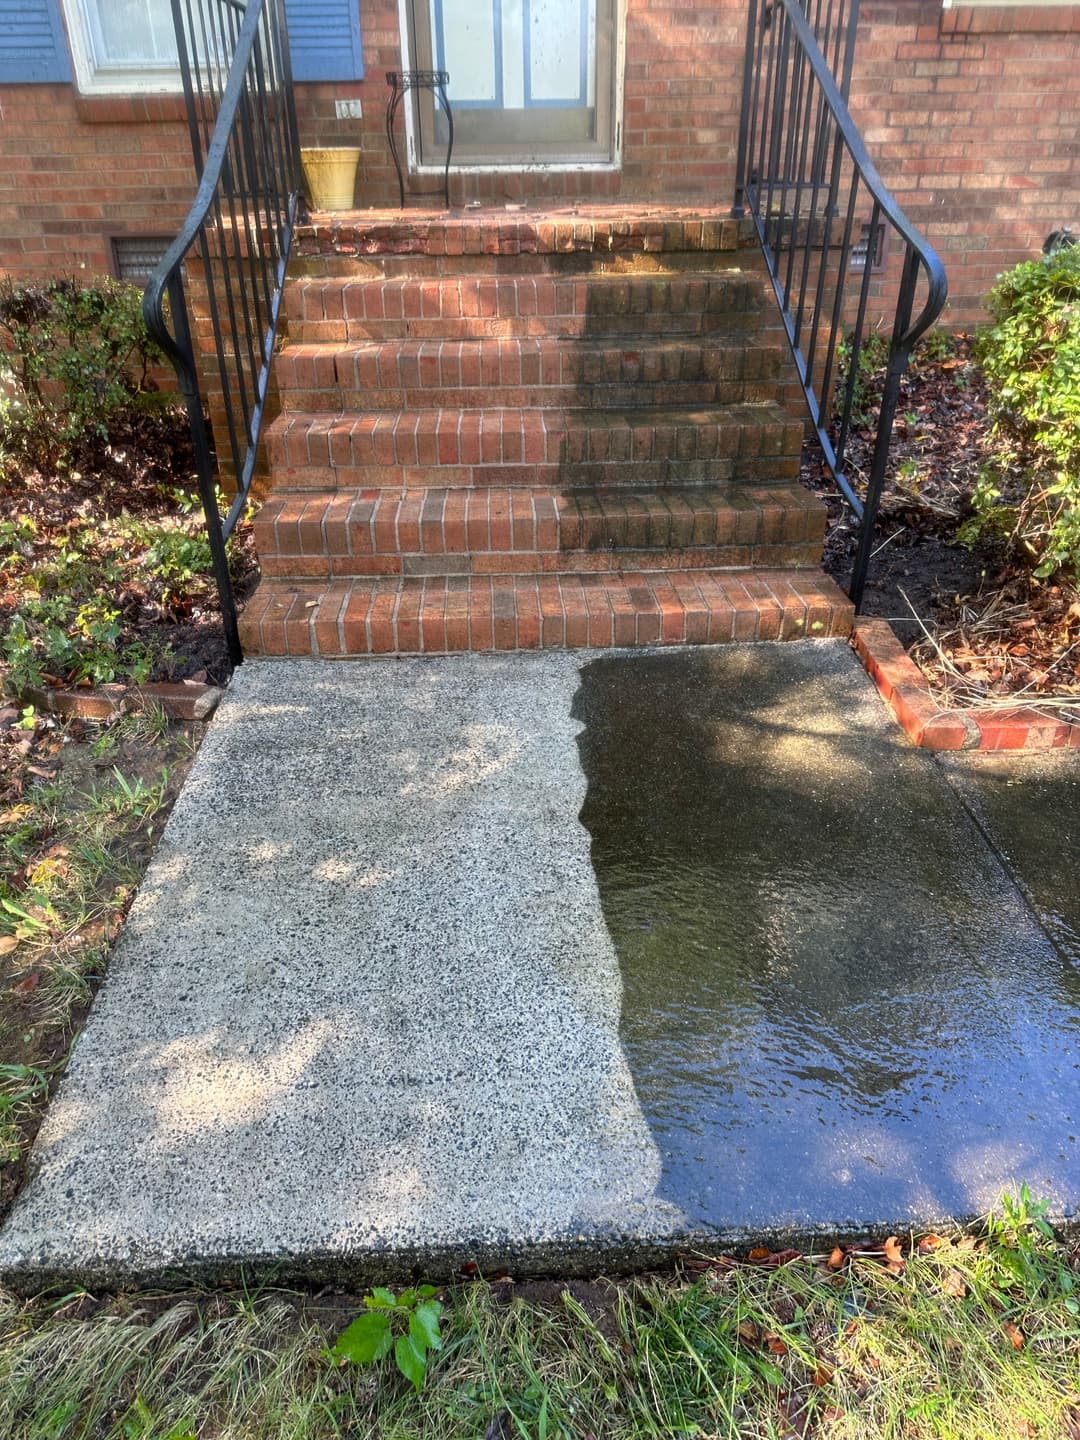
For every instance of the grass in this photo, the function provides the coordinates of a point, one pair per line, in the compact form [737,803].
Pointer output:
[944,1343]
[81,807]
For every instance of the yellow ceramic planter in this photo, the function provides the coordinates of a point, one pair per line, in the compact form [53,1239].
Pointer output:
[331,176]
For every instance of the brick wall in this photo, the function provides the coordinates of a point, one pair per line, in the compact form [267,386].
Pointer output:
[971,113]
[76,170]
[973,117]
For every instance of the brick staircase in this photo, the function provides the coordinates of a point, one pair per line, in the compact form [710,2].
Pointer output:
[533,431]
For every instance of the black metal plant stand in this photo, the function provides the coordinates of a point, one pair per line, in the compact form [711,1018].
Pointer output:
[401,82]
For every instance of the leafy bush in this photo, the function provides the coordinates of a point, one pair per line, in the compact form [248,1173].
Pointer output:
[73,356]
[1030,354]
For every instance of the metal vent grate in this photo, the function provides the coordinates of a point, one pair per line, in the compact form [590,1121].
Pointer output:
[136,257]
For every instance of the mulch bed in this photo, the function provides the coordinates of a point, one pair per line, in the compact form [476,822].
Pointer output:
[985,632]
[143,473]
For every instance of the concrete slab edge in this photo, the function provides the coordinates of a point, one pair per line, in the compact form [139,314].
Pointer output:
[907,693]
[573,1258]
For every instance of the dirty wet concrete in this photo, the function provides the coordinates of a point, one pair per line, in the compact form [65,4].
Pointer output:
[561,963]
[836,1001]
[1028,807]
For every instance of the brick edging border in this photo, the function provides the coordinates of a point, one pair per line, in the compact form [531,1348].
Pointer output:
[181,700]
[906,692]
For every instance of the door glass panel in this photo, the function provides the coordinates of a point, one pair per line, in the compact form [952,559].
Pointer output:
[556,63]
[524,78]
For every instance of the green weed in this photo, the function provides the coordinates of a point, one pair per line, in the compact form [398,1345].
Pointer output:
[407,1324]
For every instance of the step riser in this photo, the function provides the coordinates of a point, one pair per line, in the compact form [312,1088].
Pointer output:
[437,617]
[383,309]
[342,240]
[569,266]
[477,440]
[383,532]
[525,374]
[622,329]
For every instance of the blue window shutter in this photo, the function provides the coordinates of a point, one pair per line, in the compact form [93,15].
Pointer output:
[324,39]
[33,49]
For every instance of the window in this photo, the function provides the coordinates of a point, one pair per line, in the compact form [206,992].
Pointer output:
[122,46]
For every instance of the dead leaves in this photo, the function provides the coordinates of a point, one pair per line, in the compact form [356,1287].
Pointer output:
[894,1256]
[1013,1334]
[954,1284]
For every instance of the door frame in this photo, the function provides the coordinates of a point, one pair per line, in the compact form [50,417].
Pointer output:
[596,163]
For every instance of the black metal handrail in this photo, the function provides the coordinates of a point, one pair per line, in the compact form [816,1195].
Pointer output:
[823,215]
[234,64]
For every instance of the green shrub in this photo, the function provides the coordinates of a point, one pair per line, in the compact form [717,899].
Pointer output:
[1030,354]
[73,356]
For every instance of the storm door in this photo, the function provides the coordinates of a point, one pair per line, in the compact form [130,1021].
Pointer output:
[531,81]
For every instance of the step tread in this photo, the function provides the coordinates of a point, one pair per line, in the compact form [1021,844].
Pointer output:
[606,228]
[507,530]
[553,419]
[437,615]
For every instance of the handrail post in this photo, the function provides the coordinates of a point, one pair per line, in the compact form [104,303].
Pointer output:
[204,464]
[296,179]
[738,208]
[899,354]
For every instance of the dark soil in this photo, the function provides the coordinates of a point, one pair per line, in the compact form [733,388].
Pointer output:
[995,629]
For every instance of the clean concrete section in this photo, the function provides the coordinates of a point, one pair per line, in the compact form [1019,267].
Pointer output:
[555,962]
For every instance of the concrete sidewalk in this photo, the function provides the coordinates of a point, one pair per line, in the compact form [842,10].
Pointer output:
[561,962]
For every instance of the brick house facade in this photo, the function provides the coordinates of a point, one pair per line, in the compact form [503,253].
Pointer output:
[971,113]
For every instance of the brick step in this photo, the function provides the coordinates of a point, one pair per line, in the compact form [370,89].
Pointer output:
[504,531]
[471,307]
[552,448]
[385,265]
[435,616]
[545,371]
[606,229]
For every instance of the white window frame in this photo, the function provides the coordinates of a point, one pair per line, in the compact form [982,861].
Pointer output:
[94,79]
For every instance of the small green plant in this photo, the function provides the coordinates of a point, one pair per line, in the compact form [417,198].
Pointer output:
[868,357]
[1025,1247]
[176,558]
[65,638]
[934,347]
[407,1323]
[1030,354]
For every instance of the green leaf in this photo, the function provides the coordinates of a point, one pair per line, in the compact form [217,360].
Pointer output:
[424,1325]
[427,1292]
[368,1338]
[381,1299]
[410,1361]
